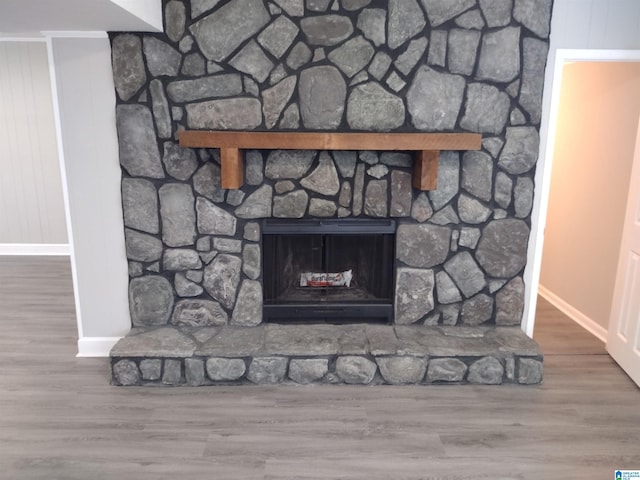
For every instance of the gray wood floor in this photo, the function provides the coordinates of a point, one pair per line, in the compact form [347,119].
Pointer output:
[60,418]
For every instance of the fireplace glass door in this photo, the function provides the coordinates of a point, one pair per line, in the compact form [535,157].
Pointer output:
[334,271]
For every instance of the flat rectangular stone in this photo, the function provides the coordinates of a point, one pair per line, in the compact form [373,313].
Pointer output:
[164,342]
[414,340]
[382,340]
[234,342]
[352,340]
[301,339]
[513,340]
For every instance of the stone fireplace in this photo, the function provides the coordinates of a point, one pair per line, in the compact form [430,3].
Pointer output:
[197,252]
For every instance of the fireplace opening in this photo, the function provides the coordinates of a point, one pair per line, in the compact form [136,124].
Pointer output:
[331,271]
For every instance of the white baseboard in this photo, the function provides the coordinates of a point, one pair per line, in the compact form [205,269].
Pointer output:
[574,314]
[96,346]
[35,249]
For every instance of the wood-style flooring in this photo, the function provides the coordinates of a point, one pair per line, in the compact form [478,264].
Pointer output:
[60,418]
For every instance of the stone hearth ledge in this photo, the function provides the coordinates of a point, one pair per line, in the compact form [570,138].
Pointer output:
[329,354]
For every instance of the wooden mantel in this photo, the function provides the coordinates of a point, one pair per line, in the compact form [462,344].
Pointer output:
[427,146]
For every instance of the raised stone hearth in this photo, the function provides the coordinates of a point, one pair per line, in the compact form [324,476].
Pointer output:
[347,354]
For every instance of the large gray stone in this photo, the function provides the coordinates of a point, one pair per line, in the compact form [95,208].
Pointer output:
[198,7]
[185,287]
[198,313]
[220,33]
[166,342]
[172,374]
[126,373]
[225,114]
[510,303]
[194,65]
[294,8]
[406,20]
[128,66]
[254,167]
[308,370]
[534,15]
[178,215]
[344,200]
[529,371]
[162,58]
[355,370]
[445,216]
[221,278]
[520,152]
[213,220]
[375,199]
[322,92]
[139,154]
[523,197]
[180,259]
[379,65]
[421,210]
[414,295]
[372,108]
[472,210]
[324,179]
[486,371]
[194,371]
[291,205]
[502,250]
[446,370]
[346,162]
[469,237]
[486,109]
[497,12]
[438,47]
[463,48]
[412,55]
[300,55]
[439,12]
[150,301]
[175,18]
[179,162]
[396,159]
[251,261]
[435,99]
[500,55]
[253,61]
[225,369]
[293,164]
[465,272]
[266,370]
[402,370]
[278,36]
[477,174]
[326,30]
[248,309]
[446,290]
[151,369]
[224,85]
[227,245]
[448,180]
[258,204]
[352,56]
[401,194]
[477,310]
[371,22]
[160,107]
[319,207]
[472,20]
[503,188]
[140,205]
[422,246]
[534,60]
[358,186]
[274,100]
[207,182]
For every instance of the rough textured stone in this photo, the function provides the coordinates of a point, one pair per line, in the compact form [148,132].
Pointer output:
[503,188]
[414,295]
[422,246]
[344,200]
[235,197]
[251,261]
[172,372]
[446,290]
[283,164]
[306,371]
[135,269]
[401,194]
[194,65]
[520,152]
[160,107]
[126,373]
[352,5]
[252,232]
[290,117]
[439,12]
[421,210]
[140,205]
[221,279]
[352,56]
[371,22]
[178,215]
[346,162]
[179,162]
[516,117]
[284,186]
[267,370]
[372,108]
[435,99]
[445,216]
[248,309]
[375,199]
[278,73]
[162,58]
[477,174]
[355,370]
[469,237]
[534,61]
[220,33]
[368,157]
[198,313]
[180,259]
[394,82]
[486,371]
[465,272]
[322,92]
[500,55]
[324,179]
[294,8]
[254,164]
[207,182]
[448,180]
[175,17]
[396,159]
[438,48]
[275,98]
[510,303]
[523,197]
[412,55]
[462,51]
[227,245]
[257,205]
[226,114]
[446,370]
[529,371]
[299,56]
[166,342]
[319,207]
[150,300]
[128,66]
[151,369]
[318,5]
[402,370]
[278,36]
[502,250]
[326,30]
[477,310]
[486,109]
[534,15]
[497,12]
[405,21]
[225,369]
[194,371]
[379,65]
[378,171]
[291,205]
[223,85]
[471,20]
[139,154]
[253,61]
[471,210]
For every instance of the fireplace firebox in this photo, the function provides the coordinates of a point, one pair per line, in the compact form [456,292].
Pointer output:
[328,271]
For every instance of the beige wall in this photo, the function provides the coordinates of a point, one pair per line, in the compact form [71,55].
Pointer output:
[597,125]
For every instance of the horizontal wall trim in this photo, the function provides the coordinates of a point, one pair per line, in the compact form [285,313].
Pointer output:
[96,346]
[35,249]
[75,34]
[574,314]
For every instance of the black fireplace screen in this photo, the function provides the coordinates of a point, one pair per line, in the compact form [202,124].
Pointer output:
[328,270]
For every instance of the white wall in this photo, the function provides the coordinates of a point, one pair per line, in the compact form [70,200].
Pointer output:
[575,24]
[32,218]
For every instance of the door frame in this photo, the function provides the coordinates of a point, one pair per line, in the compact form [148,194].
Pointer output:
[551,102]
